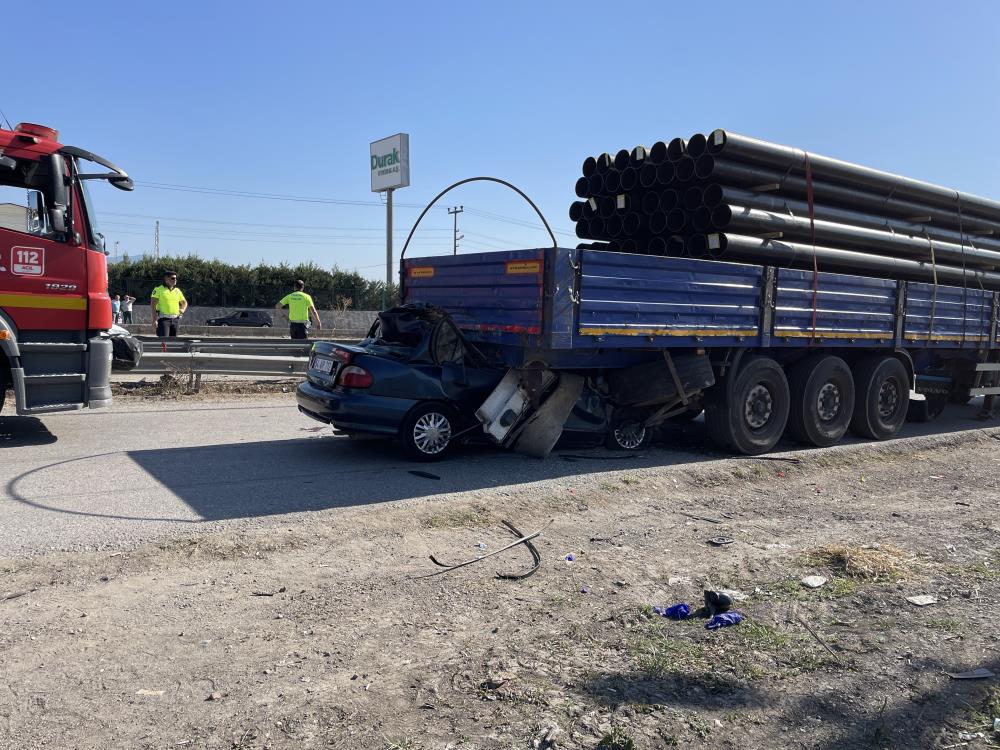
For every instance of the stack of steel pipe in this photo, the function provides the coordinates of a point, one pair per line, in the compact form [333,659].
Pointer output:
[732,197]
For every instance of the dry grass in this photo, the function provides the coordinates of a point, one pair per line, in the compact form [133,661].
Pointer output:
[867,563]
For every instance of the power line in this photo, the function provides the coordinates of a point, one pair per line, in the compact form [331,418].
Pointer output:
[252,224]
[334,201]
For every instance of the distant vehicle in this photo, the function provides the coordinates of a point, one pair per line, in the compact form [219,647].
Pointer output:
[248,318]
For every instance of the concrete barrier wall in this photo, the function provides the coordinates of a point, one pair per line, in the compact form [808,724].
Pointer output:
[353,320]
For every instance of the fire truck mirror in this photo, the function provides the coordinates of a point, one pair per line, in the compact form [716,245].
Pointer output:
[7,162]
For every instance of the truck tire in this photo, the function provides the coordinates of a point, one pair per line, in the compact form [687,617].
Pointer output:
[426,432]
[627,431]
[822,400]
[752,417]
[883,397]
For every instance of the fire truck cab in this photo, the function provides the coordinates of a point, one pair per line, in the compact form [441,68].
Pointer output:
[55,311]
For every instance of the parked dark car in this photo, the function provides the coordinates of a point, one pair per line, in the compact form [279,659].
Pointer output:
[414,377]
[249,318]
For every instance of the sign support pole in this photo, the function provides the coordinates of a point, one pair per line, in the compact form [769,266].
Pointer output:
[388,247]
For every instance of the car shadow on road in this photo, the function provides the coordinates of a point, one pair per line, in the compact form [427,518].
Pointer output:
[259,479]
[17,432]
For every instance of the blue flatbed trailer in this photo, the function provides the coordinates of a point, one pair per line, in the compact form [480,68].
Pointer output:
[596,311]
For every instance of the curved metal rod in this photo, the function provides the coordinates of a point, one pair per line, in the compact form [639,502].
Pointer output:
[462,182]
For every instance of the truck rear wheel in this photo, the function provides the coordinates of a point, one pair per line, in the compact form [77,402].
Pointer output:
[822,400]
[883,396]
[752,417]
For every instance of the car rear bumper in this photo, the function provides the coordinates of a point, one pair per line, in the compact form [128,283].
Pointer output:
[353,411]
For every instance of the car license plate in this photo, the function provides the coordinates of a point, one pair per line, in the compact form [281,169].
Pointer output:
[322,364]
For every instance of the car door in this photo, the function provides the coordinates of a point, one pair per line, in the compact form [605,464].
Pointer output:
[465,379]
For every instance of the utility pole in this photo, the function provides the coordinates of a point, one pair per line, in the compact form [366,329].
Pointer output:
[156,240]
[116,251]
[455,211]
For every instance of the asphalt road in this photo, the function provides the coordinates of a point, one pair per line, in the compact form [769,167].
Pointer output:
[113,478]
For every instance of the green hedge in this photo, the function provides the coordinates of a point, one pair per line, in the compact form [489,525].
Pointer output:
[212,283]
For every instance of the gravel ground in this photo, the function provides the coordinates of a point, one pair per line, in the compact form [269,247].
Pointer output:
[316,629]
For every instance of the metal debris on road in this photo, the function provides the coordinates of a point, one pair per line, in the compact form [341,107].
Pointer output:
[446,568]
[720,541]
[700,518]
[536,556]
[980,673]
[423,474]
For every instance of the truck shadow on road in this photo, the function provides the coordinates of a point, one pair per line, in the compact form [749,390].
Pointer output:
[24,431]
[254,479]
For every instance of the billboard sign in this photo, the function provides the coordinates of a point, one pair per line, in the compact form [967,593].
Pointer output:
[390,163]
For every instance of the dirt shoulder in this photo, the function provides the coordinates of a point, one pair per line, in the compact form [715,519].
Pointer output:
[319,634]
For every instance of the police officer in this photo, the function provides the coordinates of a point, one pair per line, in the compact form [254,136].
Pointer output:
[300,308]
[168,304]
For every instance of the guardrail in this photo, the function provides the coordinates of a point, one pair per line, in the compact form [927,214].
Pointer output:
[198,363]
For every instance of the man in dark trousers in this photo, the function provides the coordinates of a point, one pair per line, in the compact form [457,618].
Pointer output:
[300,308]
[168,304]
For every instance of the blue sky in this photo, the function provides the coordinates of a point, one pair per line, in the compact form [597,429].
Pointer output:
[283,99]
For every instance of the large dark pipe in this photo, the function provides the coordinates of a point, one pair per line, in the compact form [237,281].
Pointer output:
[701,219]
[589,166]
[724,170]
[595,227]
[583,229]
[613,226]
[715,195]
[576,210]
[604,163]
[629,179]
[638,156]
[796,255]
[647,175]
[676,150]
[676,246]
[692,198]
[657,246]
[621,159]
[669,199]
[595,184]
[650,203]
[685,169]
[658,152]
[696,246]
[676,220]
[612,182]
[742,220]
[631,223]
[606,207]
[783,158]
[582,187]
[629,246]
[665,174]
[658,223]
[697,145]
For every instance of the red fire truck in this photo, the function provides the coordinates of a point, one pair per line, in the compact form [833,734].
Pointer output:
[55,354]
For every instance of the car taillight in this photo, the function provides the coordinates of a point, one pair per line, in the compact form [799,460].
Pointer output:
[353,376]
[341,355]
